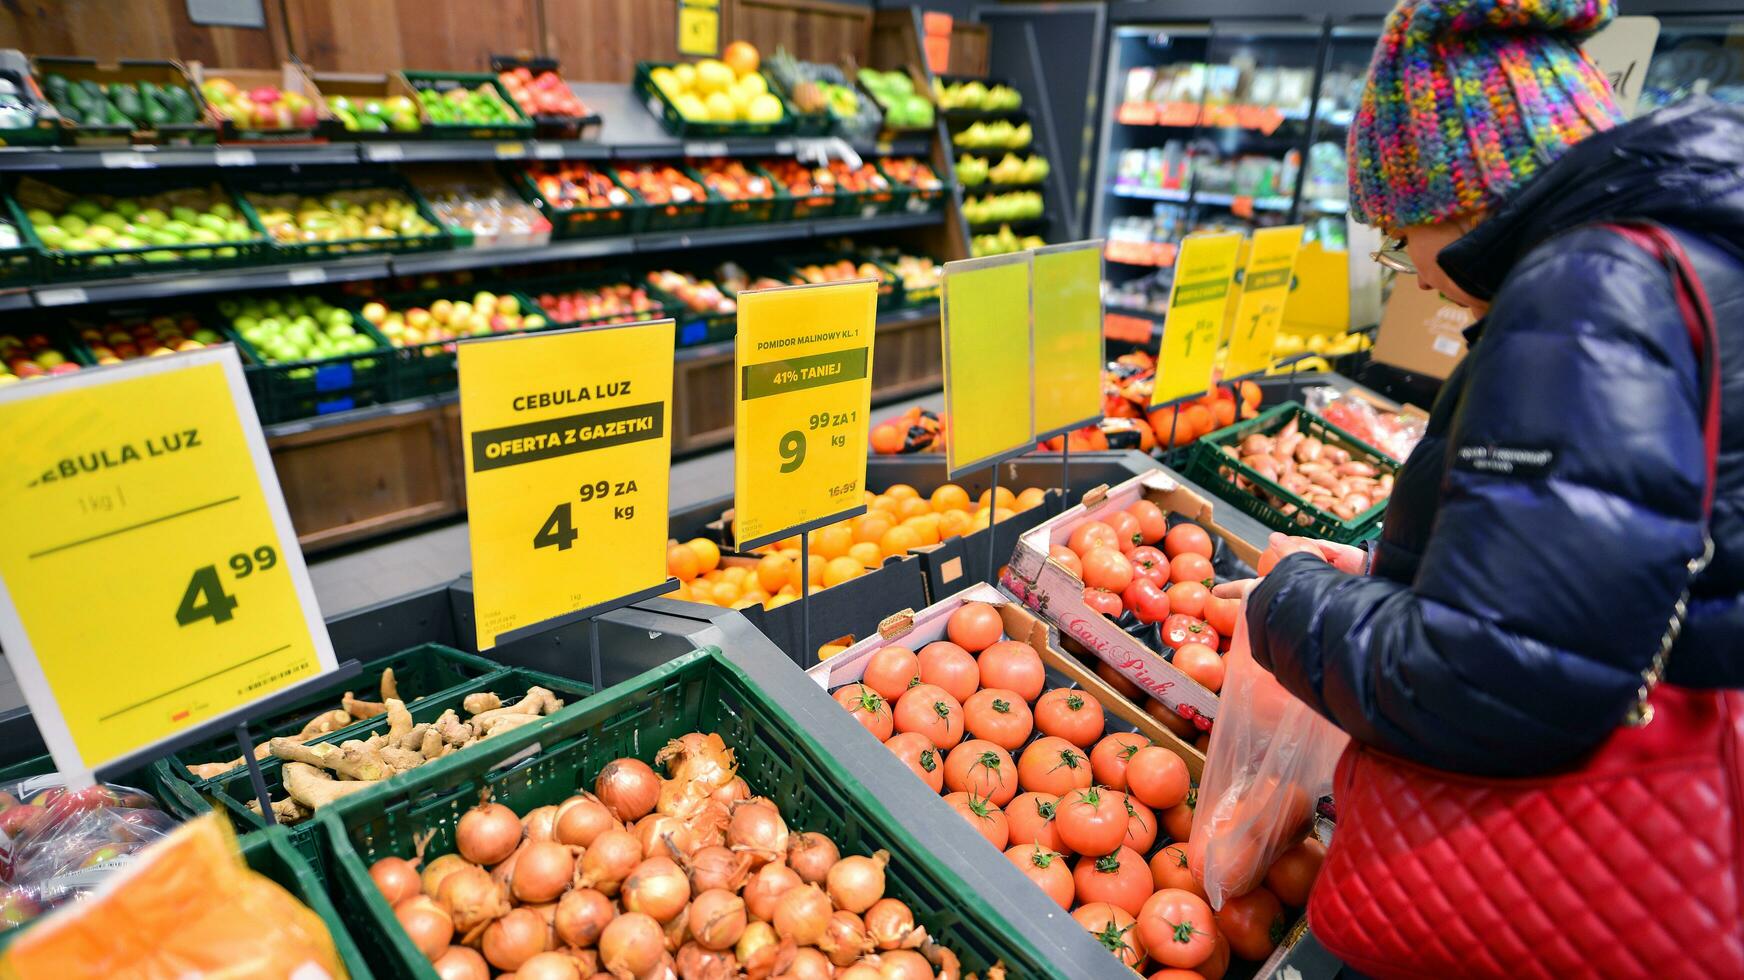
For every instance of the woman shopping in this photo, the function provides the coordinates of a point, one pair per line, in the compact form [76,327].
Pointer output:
[1521,799]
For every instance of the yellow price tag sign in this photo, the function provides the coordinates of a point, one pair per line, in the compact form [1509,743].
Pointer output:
[1204,273]
[152,579]
[1265,286]
[803,387]
[1067,323]
[568,443]
[699,28]
[985,310]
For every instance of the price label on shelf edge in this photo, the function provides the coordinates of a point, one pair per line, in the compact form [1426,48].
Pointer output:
[150,579]
[1067,327]
[1264,288]
[1204,273]
[985,313]
[567,438]
[803,387]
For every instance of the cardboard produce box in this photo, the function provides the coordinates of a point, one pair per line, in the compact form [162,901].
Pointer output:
[1057,595]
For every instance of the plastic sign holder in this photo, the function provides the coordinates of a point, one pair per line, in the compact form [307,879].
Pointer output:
[1271,264]
[985,308]
[802,386]
[1067,338]
[568,448]
[152,590]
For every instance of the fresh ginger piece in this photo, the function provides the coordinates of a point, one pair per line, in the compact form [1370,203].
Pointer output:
[400,760]
[503,723]
[315,789]
[390,687]
[538,701]
[433,746]
[285,811]
[362,709]
[350,759]
[478,702]
[454,731]
[399,720]
[321,724]
[208,770]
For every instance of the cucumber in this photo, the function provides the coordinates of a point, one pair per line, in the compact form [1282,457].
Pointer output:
[126,98]
[155,112]
[183,109]
[55,86]
[70,114]
[115,117]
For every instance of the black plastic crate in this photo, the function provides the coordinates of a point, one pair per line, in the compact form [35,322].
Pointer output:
[622,219]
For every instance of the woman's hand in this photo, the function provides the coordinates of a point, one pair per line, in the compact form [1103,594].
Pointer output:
[1343,557]
[1237,589]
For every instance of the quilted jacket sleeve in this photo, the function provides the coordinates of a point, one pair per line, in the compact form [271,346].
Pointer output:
[1571,505]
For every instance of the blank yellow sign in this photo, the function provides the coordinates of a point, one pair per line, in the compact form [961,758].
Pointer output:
[1264,289]
[986,337]
[1204,274]
[1067,324]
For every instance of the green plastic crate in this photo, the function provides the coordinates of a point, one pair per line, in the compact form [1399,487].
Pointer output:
[663,110]
[431,368]
[442,81]
[234,791]
[271,853]
[61,266]
[674,215]
[1210,467]
[700,691]
[582,222]
[667,306]
[40,765]
[288,390]
[913,199]
[889,287]
[259,184]
[748,211]
[799,207]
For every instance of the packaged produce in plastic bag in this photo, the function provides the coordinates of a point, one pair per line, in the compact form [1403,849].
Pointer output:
[1271,757]
[1393,433]
[57,844]
[186,907]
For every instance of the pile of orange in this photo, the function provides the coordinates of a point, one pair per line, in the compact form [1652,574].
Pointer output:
[895,521]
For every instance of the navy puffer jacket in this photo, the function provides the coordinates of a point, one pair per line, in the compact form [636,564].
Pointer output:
[1509,615]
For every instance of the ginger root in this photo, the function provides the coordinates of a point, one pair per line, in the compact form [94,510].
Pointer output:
[503,723]
[479,702]
[362,709]
[352,759]
[399,720]
[539,701]
[209,770]
[321,724]
[315,789]
[390,688]
[400,760]
[286,811]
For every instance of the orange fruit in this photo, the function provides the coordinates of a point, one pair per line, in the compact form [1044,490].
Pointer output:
[818,562]
[866,553]
[1032,497]
[779,599]
[1005,499]
[950,497]
[707,552]
[840,570]
[745,603]
[871,526]
[902,491]
[682,592]
[754,594]
[772,572]
[724,593]
[999,514]
[887,439]
[832,541]
[735,574]
[1200,418]
[682,563]
[928,526]
[883,502]
[955,524]
[898,540]
[912,507]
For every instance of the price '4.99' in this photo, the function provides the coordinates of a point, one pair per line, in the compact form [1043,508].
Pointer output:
[559,531]
[205,597]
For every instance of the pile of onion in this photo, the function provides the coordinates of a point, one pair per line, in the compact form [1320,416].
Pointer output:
[690,876]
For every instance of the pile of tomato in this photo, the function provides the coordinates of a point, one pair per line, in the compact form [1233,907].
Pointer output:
[1052,782]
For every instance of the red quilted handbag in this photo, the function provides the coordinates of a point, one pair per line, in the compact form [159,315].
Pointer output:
[1630,866]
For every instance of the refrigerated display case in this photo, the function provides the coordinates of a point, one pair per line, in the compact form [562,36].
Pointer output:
[1695,56]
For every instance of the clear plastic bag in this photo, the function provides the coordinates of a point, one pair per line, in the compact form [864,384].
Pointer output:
[1393,433]
[57,845]
[1271,757]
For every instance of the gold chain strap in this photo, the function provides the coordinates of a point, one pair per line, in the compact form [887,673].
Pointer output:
[1641,712]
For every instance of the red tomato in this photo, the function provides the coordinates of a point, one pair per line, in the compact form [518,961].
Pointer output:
[1031,818]
[1185,539]
[1120,879]
[1169,869]
[1178,819]
[1052,765]
[867,707]
[1171,719]
[1215,967]
[1071,714]
[982,769]
[891,671]
[949,666]
[975,627]
[1104,602]
[1091,535]
[1122,684]
[1013,666]
[1107,568]
[1141,825]
[1176,973]
[987,819]
[1147,602]
[1188,599]
[932,712]
[1152,523]
[1150,563]
[1201,663]
[1092,820]
[1254,923]
[1113,928]
[1068,559]
[1292,875]
[1047,869]
[1190,566]
[1108,760]
[1157,777]
[1179,629]
[920,755]
[1177,928]
[999,716]
[1126,530]
[1221,613]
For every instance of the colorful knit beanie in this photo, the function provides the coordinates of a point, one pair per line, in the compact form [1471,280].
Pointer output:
[1468,99]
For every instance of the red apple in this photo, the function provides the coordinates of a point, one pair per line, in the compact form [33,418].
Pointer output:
[20,817]
[17,907]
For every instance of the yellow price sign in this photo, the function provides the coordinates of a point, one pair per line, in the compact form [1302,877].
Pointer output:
[989,411]
[568,442]
[699,28]
[152,579]
[803,387]
[1204,272]
[1264,289]
[1067,324]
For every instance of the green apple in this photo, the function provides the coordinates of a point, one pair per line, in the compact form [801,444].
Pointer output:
[85,208]
[39,217]
[74,225]
[151,217]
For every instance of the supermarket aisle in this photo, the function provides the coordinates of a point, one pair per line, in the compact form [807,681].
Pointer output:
[421,559]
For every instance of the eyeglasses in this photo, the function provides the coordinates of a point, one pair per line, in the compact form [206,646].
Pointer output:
[1392,256]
